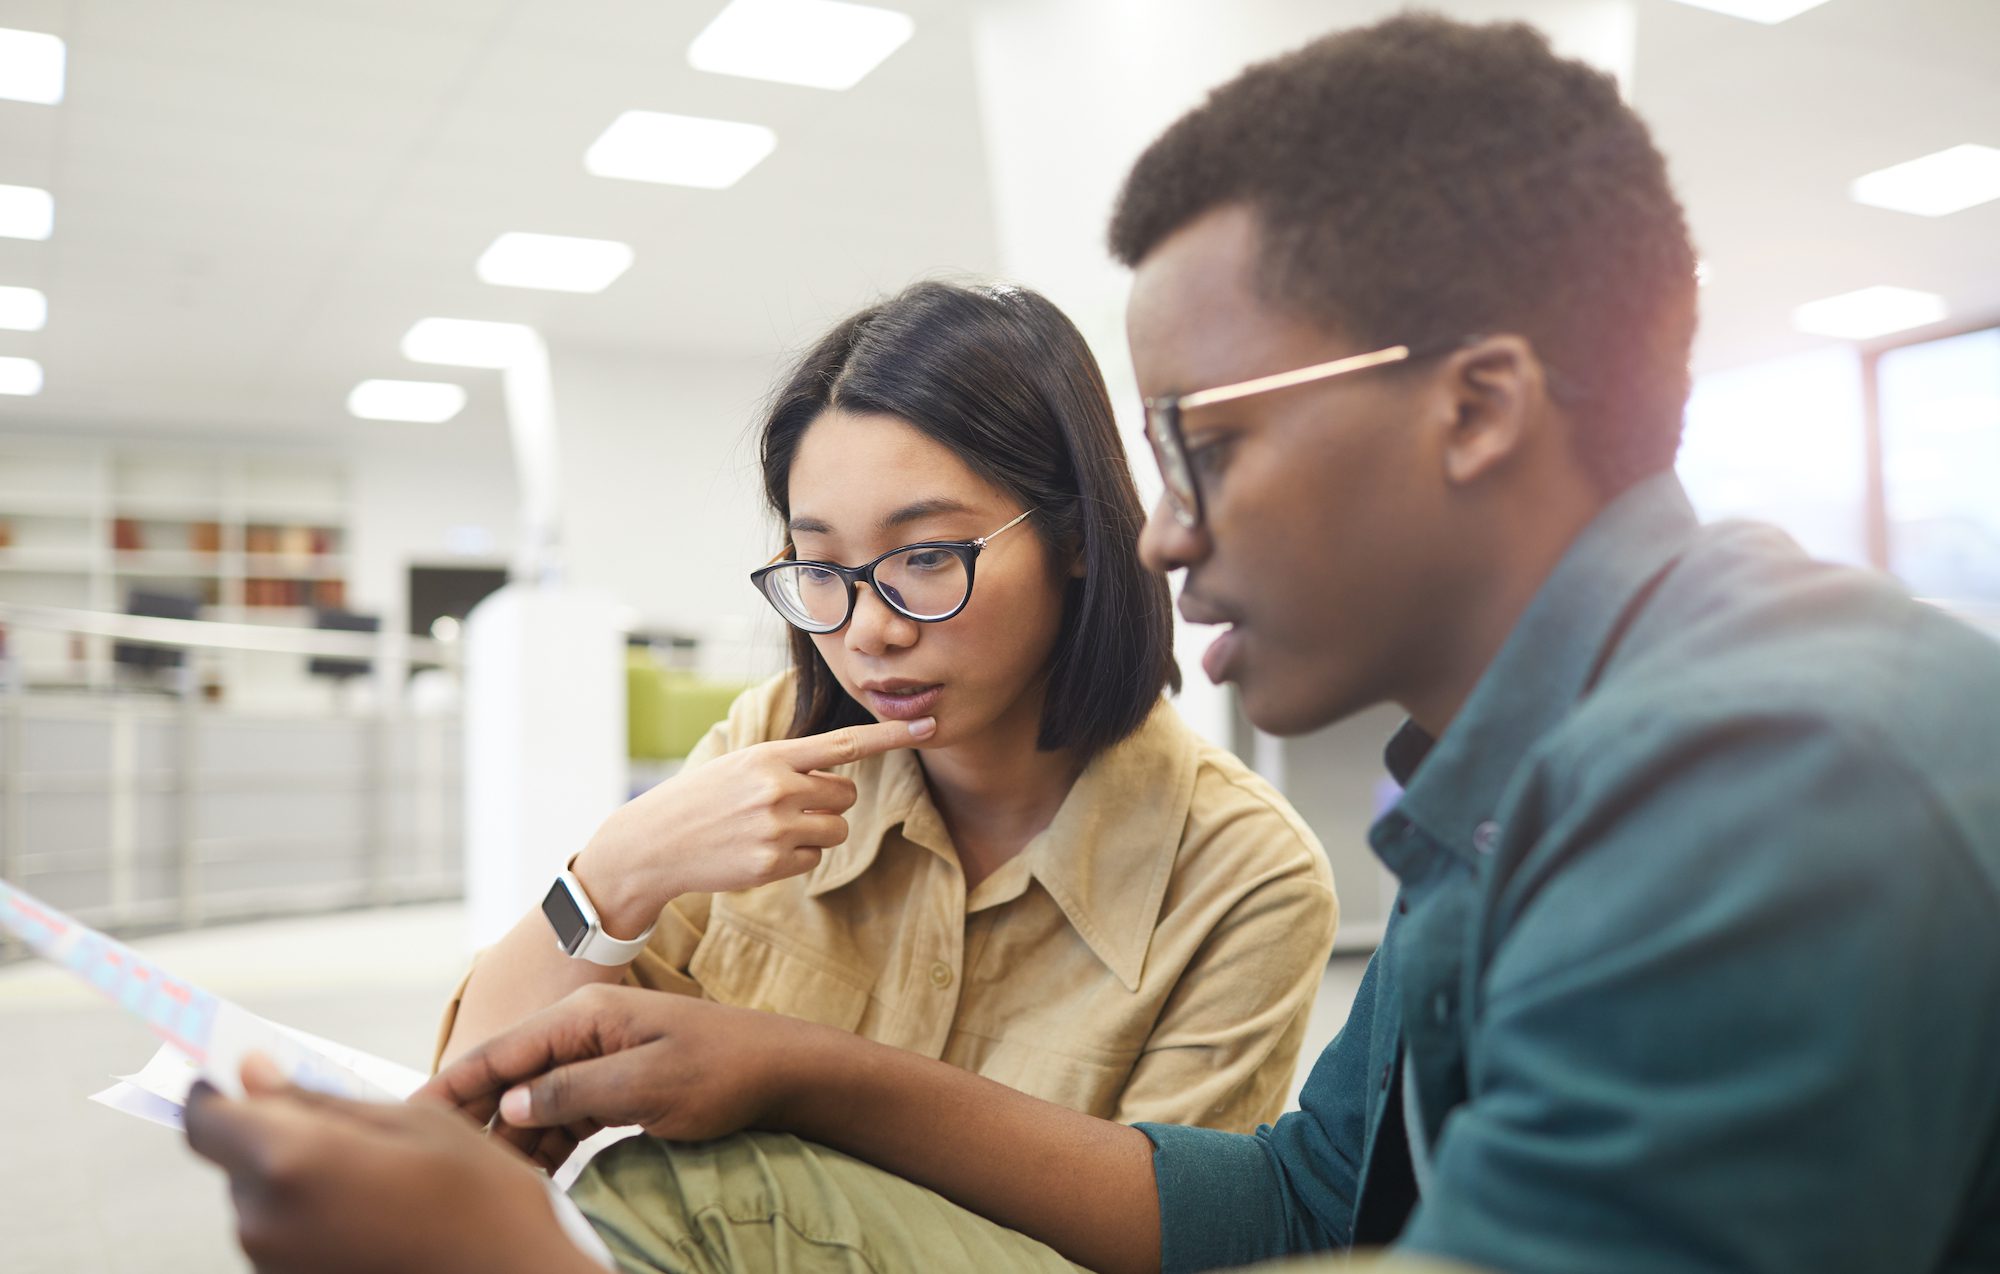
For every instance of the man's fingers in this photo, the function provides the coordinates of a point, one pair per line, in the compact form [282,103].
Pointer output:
[854,742]
[597,1091]
[569,1030]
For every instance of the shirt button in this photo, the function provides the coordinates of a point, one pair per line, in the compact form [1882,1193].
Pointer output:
[1441,1008]
[940,975]
[1386,1067]
[1486,836]
[1402,906]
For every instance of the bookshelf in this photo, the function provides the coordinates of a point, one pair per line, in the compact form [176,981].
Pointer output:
[257,538]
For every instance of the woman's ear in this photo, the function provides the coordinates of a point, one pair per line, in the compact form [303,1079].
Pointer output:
[1495,389]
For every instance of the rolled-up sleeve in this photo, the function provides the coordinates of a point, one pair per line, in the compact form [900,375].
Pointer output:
[1229,1199]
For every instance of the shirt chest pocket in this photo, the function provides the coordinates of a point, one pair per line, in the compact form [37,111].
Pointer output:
[740,964]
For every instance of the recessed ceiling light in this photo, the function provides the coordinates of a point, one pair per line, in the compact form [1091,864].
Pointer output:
[31,66]
[23,309]
[1935,185]
[1765,11]
[817,43]
[427,402]
[21,376]
[467,342]
[26,212]
[1871,312]
[679,150]
[556,262]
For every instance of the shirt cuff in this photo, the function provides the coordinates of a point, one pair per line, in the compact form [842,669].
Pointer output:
[1221,1202]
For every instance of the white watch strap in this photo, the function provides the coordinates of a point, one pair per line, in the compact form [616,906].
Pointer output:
[599,947]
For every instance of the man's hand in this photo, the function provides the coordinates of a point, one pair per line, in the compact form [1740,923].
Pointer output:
[325,1184]
[605,1056]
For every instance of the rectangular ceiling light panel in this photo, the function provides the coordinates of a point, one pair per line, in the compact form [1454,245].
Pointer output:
[467,342]
[424,402]
[817,43]
[31,67]
[554,262]
[23,309]
[1870,312]
[1935,185]
[1768,12]
[26,212]
[20,376]
[679,150]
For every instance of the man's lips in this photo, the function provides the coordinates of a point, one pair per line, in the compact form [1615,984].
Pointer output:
[1216,660]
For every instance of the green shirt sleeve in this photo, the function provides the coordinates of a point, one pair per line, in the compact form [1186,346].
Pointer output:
[1230,1199]
[1711,1033]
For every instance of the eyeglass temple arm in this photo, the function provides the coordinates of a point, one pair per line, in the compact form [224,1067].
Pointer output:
[982,541]
[1301,376]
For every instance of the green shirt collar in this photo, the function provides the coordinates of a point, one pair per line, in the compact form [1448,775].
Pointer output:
[1454,783]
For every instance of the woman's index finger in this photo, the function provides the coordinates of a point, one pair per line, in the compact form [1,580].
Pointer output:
[855,743]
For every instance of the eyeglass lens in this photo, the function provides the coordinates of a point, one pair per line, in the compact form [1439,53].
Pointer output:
[922,583]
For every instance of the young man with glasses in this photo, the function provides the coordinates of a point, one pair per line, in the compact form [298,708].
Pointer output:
[1697,950]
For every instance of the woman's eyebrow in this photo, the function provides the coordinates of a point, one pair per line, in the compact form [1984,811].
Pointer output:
[901,517]
[923,509]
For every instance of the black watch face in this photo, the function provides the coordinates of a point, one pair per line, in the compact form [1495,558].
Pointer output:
[565,917]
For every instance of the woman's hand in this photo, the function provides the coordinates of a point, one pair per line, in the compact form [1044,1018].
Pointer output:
[325,1184]
[744,819]
[607,1056]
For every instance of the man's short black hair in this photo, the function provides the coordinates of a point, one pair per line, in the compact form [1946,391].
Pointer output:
[1424,179]
[1004,380]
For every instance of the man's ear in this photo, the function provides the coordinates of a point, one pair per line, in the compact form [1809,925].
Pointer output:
[1497,393]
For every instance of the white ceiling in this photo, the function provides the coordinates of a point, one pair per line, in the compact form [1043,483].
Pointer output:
[1765,126]
[256,198]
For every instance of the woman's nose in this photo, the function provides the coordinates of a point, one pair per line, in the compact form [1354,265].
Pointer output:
[875,627]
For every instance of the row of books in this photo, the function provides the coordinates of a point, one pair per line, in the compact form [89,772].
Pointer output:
[325,594]
[130,535]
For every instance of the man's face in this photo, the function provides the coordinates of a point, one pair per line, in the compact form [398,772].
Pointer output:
[1321,501]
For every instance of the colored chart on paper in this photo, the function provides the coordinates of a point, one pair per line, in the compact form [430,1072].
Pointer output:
[213,1033]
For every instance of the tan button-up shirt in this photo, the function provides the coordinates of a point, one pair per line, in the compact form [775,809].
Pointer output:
[1151,955]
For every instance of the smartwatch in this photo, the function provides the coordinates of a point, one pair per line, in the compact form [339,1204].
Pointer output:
[579,933]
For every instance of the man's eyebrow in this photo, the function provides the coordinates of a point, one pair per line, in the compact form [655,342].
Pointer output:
[923,509]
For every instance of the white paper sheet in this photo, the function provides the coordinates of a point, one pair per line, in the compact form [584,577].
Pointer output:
[207,1037]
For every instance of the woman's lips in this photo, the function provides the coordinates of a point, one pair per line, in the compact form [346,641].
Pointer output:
[1221,652]
[903,704]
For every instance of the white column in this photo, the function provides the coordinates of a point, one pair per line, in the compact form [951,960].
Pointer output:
[544,742]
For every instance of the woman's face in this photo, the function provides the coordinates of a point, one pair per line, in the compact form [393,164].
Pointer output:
[861,485]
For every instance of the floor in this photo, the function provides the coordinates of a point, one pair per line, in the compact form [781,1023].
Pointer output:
[83,1188]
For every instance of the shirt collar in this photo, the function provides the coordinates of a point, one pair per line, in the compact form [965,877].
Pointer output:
[1455,782]
[1106,858]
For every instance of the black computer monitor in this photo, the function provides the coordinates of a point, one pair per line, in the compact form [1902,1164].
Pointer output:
[342,621]
[440,591]
[155,604]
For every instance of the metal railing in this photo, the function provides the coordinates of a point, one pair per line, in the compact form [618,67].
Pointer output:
[168,805]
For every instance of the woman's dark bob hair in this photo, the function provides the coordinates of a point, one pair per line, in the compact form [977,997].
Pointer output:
[1000,377]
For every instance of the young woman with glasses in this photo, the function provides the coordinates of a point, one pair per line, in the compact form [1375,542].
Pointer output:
[965,822]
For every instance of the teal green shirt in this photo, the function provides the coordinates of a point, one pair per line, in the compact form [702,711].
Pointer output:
[1696,958]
